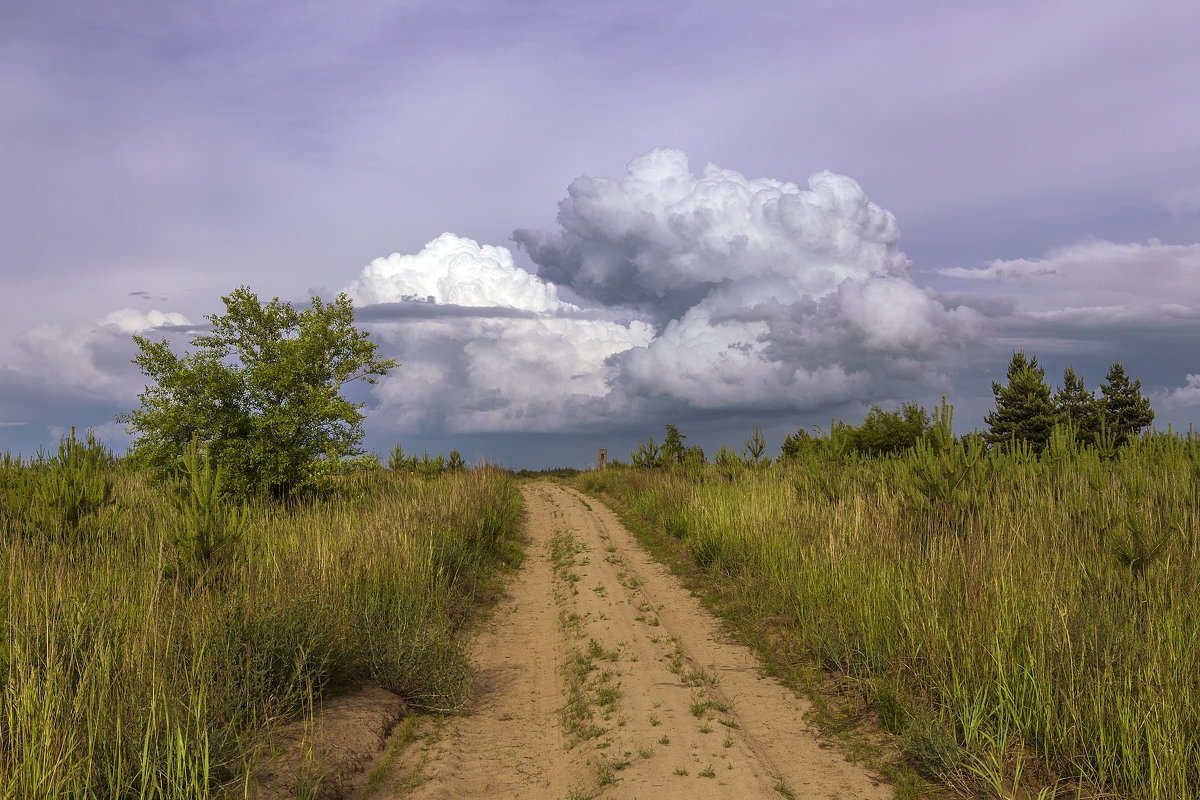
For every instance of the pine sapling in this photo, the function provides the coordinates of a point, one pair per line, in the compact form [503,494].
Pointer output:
[206,531]
[943,473]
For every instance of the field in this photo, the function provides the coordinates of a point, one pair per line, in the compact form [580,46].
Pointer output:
[1022,626]
[1028,625]
[152,636]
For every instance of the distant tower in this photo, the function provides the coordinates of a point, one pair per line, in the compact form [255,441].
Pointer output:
[601,459]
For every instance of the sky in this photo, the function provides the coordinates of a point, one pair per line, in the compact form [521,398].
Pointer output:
[573,223]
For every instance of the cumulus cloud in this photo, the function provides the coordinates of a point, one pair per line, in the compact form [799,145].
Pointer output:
[1187,396]
[86,361]
[130,320]
[459,271]
[485,345]
[714,292]
[660,239]
[764,294]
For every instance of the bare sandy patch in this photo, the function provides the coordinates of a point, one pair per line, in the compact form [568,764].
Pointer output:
[323,757]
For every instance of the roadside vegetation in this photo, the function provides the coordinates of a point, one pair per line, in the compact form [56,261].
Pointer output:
[164,611]
[1020,607]
[152,634]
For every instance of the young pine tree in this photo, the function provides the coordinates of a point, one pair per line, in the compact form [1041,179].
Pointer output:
[794,444]
[673,450]
[1125,410]
[1024,409]
[1078,405]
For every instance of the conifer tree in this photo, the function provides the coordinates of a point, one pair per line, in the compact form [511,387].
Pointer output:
[673,450]
[793,445]
[1024,409]
[1125,410]
[1077,404]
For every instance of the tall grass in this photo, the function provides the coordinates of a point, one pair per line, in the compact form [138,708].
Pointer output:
[136,669]
[1040,629]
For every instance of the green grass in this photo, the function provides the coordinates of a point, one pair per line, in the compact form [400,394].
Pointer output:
[1038,624]
[132,669]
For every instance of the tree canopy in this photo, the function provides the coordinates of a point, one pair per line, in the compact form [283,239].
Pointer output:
[262,393]
[1126,410]
[884,432]
[1078,405]
[1024,408]
[673,450]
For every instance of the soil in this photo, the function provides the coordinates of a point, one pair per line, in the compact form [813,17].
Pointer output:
[346,738]
[598,675]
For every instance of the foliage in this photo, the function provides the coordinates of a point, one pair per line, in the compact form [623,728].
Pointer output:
[67,495]
[262,393]
[794,444]
[752,453]
[123,683]
[694,462]
[728,463]
[430,467]
[648,454]
[1126,410]
[207,529]
[673,449]
[881,432]
[884,432]
[398,461]
[943,473]
[424,465]
[1078,406]
[1048,647]
[1024,410]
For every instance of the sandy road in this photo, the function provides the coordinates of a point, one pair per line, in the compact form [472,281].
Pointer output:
[600,676]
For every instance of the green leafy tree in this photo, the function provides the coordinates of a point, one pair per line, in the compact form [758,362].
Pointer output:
[262,393]
[673,450]
[1024,408]
[1078,406]
[884,432]
[1126,410]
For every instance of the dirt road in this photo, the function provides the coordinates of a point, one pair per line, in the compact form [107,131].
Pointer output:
[600,676]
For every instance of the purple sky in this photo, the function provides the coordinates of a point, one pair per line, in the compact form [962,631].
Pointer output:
[985,177]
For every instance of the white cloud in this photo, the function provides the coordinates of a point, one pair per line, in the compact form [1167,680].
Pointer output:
[477,371]
[130,320]
[1096,278]
[661,239]
[85,361]
[744,294]
[456,270]
[1187,396]
[726,365]
[765,294]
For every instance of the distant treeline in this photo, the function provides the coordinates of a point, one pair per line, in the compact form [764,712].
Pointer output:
[1027,411]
